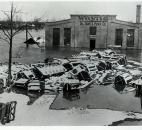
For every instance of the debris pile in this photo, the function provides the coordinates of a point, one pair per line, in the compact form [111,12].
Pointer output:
[76,72]
[72,74]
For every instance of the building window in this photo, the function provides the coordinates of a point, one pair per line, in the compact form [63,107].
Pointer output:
[130,37]
[56,36]
[119,36]
[67,36]
[93,30]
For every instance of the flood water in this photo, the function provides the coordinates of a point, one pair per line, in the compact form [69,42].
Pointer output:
[34,54]
[33,95]
[135,55]
[96,97]
[99,97]
[131,123]
[20,52]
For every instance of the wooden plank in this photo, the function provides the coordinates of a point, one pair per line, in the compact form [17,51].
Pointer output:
[86,85]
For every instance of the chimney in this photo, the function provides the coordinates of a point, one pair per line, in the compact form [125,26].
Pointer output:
[138,14]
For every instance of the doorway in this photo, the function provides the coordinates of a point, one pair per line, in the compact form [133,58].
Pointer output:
[130,38]
[56,36]
[92,44]
[93,31]
[119,36]
[67,36]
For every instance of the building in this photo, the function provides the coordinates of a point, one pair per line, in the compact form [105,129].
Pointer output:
[95,31]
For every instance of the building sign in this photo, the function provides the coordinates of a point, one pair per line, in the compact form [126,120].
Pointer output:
[97,20]
[92,23]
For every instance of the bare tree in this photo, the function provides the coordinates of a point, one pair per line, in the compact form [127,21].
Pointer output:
[10,29]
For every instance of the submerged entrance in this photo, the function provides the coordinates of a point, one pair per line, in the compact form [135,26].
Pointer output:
[67,36]
[119,36]
[93,31]
[130,38]
[92,44]
[56,36]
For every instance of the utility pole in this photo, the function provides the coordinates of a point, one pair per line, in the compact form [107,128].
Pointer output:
[27,35]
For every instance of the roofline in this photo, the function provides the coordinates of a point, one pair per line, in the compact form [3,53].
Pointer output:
[125,21]
[64,20]
[92,15]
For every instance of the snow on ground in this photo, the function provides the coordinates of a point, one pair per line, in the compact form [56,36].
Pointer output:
[7,97]
[38,114]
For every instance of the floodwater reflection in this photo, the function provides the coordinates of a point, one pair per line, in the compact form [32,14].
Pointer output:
[71,95]
[132,54]
[99,97]
[119,87]
[33,96]
[139,94]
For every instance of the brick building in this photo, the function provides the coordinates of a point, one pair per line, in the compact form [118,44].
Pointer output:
[95,31]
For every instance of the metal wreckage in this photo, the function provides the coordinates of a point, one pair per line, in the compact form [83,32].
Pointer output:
[71,75]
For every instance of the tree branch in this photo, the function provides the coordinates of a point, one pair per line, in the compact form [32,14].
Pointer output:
[18,30]
[6,30]
[4,39]
[6,34]
[8,17]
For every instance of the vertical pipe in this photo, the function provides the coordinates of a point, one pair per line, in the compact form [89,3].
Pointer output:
[74,35]
[107,35]
[138,13]
[138,17]
[138,37]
